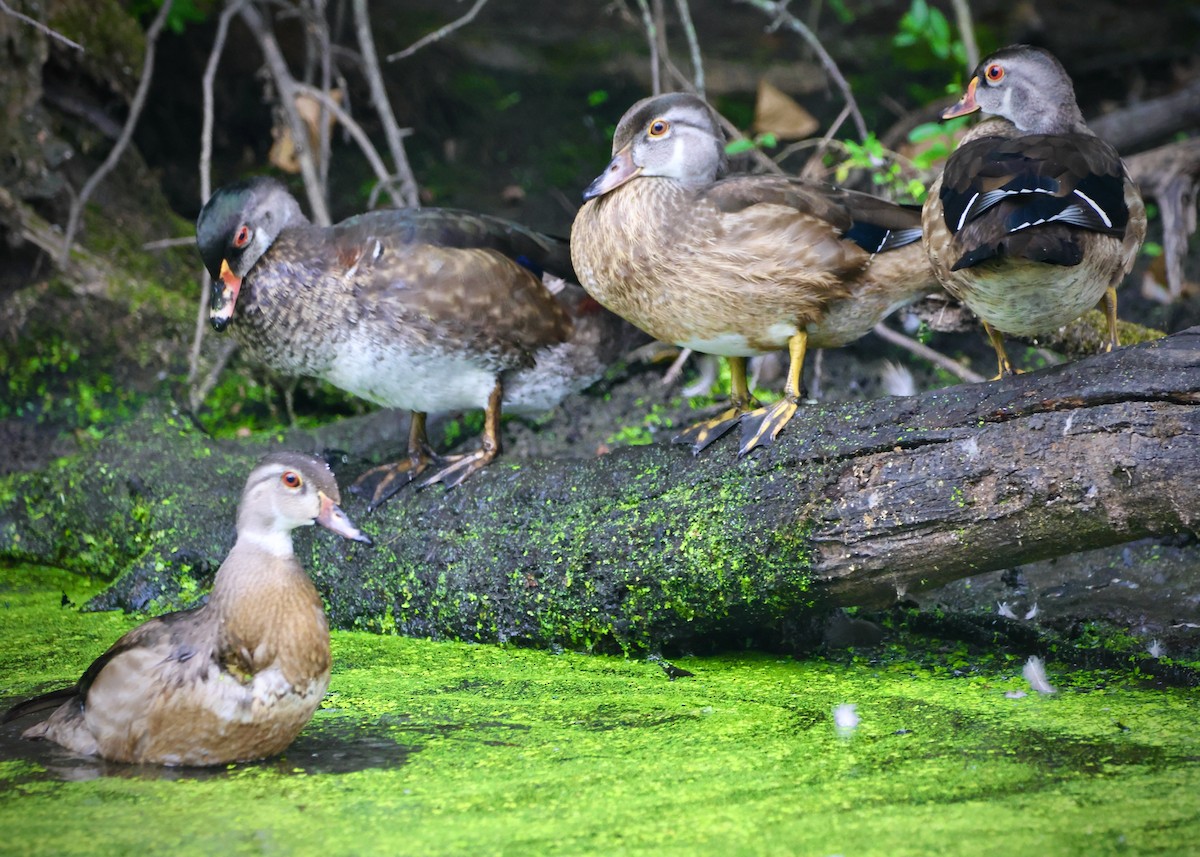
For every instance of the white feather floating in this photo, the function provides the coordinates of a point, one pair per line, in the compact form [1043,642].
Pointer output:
[1035,674]
[845,719]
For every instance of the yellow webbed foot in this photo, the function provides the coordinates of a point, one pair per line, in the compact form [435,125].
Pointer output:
[704,433]
[761,427]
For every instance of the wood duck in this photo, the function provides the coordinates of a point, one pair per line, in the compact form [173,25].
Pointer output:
[1035,218]
[422,309]
[737,266]
[233,680]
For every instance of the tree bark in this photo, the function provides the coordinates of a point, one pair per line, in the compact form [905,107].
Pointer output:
[649,547]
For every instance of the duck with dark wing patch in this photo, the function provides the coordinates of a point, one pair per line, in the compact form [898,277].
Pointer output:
[1035,219]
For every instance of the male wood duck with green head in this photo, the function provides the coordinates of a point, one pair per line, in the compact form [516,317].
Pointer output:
[233,680]
[1035,219]
[422,309]
[737,266]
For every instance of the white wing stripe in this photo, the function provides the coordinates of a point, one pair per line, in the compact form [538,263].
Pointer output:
[966,211]
[1096,208]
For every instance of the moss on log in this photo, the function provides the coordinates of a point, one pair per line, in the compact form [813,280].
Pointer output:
[648,547]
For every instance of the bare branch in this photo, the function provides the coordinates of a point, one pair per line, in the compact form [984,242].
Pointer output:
[206,86]
[966,31]
[118,149]
[38,25]
[285,86]
[1170,175]
[383,107]
[320,29]
[198,393]
[781,17]
[689,30]
[652,38]
[924,351]
[360,137]
[168,243]
[195,395]
[814,166]
[438,34]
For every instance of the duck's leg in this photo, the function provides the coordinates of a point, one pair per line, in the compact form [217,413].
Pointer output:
[761,426]
[703,433]
[459,467]
[1004,367]
[1109,303]
[380,483]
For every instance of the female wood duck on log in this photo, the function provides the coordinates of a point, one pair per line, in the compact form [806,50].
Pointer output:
[1035,219]
[423,309]
[737,266]
[233,680]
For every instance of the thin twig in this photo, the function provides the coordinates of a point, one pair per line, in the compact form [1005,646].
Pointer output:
[383,107]
[206,134]
[199,393]
[168,243]
[360,137]
[818,157]
[676,368]
[38,25]
[438,34]
[652,40]
[324,129]
[660,29]
[937,358]
[118,149]
[206,90]
[781,17]
[689,30]
[966,31]
[285,86]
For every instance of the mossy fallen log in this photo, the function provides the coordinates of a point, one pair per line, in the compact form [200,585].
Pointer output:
[648,547]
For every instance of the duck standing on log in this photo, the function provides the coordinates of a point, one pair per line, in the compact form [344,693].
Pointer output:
[430,310]
[737,266]
[1035,219]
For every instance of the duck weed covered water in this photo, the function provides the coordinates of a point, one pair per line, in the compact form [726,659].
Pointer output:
[449,748]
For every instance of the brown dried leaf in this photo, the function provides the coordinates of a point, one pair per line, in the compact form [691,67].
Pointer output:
[778,113]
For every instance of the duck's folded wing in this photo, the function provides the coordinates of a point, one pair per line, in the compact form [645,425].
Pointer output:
[163,632]
[874,224]
[477,298]
[53,699]
[452,228]
[997,186]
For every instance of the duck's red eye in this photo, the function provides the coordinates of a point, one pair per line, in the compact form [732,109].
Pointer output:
[242,238]
[291,479]
[995,73]
[659,128]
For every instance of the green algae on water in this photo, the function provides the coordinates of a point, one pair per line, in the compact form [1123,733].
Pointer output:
[482,749]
